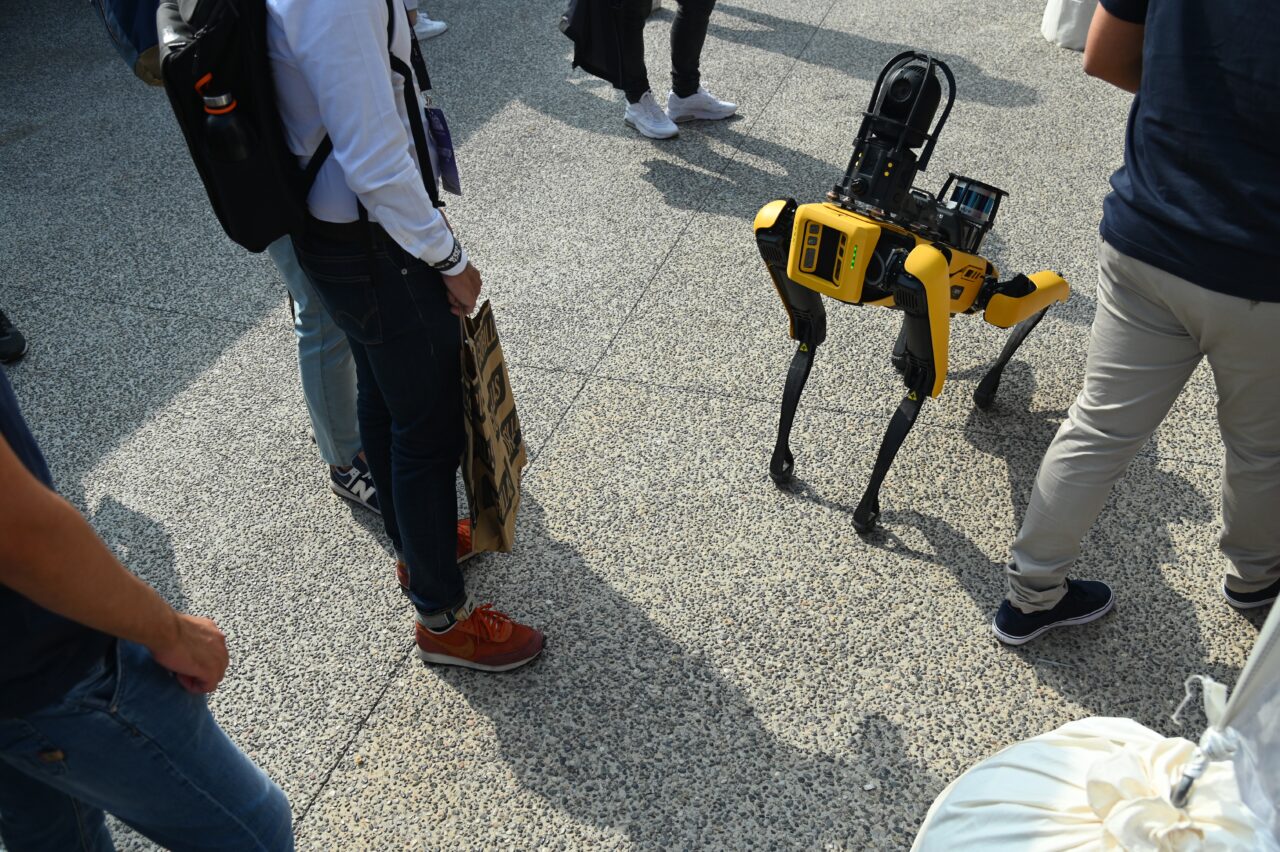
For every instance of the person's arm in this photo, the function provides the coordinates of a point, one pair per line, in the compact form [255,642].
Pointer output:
[52,557]
[1113,49]
[342,55]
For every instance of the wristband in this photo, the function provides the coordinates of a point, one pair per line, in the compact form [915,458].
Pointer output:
[450,261]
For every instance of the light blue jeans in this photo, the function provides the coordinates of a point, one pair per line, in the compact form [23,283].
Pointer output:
[128,739]
[324,359]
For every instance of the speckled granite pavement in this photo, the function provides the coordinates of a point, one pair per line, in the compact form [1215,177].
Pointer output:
[729,665]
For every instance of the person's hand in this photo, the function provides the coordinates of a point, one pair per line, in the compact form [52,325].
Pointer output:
[196,653]
[413,17]
[464,290]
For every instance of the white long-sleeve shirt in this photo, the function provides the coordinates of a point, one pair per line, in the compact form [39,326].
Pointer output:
[332,74]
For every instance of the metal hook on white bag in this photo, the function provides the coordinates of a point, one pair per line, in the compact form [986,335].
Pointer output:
[1214,744]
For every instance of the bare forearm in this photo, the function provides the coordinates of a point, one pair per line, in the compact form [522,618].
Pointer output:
[1113,51]
[53,557]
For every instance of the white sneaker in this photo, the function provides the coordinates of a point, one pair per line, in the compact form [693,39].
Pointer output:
[701,104]
[427,28]
[648,118]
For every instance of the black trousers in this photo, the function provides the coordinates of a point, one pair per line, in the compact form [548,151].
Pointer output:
[687,35]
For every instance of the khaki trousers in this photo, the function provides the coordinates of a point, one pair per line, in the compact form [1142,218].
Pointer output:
[1150,331]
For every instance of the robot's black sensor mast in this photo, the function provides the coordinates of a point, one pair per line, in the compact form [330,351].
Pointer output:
[897,124]
[899,120]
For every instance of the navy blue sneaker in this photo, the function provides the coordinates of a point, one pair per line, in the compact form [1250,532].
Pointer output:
[1085,601]
[356,484]
[1250,600]
[12,344]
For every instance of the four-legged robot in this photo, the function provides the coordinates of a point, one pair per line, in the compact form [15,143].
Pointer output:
[879,241]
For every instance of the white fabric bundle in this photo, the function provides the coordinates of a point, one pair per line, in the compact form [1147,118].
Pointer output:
[1095,784]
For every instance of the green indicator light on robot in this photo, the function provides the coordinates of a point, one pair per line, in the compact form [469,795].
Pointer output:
[853,258]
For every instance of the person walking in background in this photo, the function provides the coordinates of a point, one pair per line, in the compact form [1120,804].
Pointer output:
[12,344]
[422,25]
[687,100]
[102,689]
[1187,270]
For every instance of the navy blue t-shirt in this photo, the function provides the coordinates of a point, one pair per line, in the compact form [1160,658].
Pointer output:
[42,655]
[1199,192]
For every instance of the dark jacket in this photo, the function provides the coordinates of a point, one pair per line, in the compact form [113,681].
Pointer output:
[592,25]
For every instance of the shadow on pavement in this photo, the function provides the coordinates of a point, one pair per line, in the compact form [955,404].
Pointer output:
[862,57]
[622,727]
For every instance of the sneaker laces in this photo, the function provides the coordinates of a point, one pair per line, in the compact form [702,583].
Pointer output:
[648,105]
[489,624]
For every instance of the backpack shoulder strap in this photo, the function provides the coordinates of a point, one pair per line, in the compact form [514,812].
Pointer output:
[322,152]
[411,105]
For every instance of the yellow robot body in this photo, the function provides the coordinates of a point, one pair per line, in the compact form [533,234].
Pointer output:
[833,249]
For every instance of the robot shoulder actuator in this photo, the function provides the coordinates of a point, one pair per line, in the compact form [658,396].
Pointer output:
[774,227]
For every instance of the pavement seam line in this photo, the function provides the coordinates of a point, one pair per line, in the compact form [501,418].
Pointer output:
[154,309]
[355,733]
[727,161]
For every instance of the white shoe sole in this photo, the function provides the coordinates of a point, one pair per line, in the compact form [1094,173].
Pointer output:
[701,116]
[446,660]
[1243,605]
[352,498]
[1068,622]
[638,129]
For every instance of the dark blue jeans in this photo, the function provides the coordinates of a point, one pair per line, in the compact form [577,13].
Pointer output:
[128,739]
[407,347]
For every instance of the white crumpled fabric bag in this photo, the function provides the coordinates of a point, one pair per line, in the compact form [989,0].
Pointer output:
[1095,784]
[1107,784]
[1066,22]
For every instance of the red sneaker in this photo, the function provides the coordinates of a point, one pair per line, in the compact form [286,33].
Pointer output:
[464,552]
[486,639]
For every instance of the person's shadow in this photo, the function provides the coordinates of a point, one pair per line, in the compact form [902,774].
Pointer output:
[856,55]
[621,727]
[143,545]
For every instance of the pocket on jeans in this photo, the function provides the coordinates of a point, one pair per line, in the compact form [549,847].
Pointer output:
[30,747]
[100,688]
[343,285]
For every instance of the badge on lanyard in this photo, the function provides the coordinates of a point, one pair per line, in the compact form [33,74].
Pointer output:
[439,130]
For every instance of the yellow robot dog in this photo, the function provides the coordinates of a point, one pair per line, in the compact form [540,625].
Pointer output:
[880,241]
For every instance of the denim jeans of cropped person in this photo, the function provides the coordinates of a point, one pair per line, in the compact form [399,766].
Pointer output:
[127,739]
[324,361]
[407,348]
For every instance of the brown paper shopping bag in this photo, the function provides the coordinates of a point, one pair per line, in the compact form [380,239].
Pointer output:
[495,453]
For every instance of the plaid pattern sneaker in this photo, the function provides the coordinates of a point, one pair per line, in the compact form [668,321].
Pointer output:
[483,639]
[464,552]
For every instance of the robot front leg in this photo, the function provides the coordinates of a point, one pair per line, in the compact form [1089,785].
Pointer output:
[920,354]
[782,464]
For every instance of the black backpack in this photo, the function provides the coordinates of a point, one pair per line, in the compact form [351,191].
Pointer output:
[219,48]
